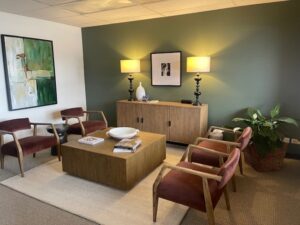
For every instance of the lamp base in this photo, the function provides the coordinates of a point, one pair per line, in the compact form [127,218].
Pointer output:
[197,103]
[130,90]
[197,92]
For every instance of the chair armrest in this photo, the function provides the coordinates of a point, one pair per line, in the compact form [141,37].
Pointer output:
[213,168]
[46,124]
[2,132]
[187,153]
[100,112]
[209,150]
[15,139]
[193,172]
[33,123]
[185,170]
[230,143]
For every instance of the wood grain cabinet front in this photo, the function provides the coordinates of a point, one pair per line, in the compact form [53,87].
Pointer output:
[180,123]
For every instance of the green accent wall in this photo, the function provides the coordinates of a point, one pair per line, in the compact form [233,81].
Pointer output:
[255,59]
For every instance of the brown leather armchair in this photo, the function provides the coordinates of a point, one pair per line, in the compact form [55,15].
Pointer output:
[83,127]
[195,185]
[20,147]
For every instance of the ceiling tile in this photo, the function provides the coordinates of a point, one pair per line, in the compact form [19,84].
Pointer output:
[16,6]
[175,5]
[84,13]
[115,14]
[146,1]
[55,2]
[49,13]
[91,6]
[199,9]
[79,21]
[253,2]
[128,19]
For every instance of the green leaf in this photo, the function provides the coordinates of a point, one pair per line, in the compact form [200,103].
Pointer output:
[268,124]
[288,120]
[238,119]
[275,111]
[251,111]
[260,115]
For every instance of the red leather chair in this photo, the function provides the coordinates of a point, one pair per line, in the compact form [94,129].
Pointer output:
[20,147]
[83,127]
[218,145]
[194,185]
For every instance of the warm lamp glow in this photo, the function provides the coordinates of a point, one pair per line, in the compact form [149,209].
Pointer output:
[130,66]
[198,64]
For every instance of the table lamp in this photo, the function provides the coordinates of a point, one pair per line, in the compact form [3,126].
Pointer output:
[130,66]
[198,65]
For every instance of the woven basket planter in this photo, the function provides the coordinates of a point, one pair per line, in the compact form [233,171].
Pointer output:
[271,162]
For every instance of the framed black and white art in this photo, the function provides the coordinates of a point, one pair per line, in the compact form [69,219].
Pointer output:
[166,68]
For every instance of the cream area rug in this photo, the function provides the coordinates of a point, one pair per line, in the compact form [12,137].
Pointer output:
[98,203]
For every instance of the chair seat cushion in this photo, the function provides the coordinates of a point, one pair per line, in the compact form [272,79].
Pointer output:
[187,189]
[206,158]
[89,126]
[29,145]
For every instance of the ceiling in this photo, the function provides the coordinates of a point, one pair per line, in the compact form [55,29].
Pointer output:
[86,13]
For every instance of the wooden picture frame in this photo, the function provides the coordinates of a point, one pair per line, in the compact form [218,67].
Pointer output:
[29,72]
[166,68]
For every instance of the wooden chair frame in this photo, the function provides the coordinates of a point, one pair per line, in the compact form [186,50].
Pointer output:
[204,176]
[187,157]
[19,148]
[87,113]
[229,144]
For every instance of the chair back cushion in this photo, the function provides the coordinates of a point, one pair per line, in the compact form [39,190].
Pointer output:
[228,168]
[245,138]
[15,124]
[78,111]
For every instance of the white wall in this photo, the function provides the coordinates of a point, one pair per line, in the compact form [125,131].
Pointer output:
[68,58]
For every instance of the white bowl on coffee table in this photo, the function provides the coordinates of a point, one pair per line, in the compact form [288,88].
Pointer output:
[122,132]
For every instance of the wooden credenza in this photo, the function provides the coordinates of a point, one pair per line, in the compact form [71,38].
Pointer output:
[180,123]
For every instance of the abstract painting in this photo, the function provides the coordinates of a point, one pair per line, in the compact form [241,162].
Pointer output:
[29,72]
[166,68]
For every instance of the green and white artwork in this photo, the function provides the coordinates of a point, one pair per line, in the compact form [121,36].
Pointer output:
[29,72]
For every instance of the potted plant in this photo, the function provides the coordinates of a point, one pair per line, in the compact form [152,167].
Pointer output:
[267,149]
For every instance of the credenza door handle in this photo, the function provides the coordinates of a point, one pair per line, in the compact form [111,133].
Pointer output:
[169,123]
[142,120]
[137,119]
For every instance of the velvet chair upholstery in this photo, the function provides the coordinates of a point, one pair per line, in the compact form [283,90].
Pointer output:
[83,127]
[203,157]
[195,185]
[20,147]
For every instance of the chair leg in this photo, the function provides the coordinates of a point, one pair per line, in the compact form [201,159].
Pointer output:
[241,165]
[2,160]
[58,152]
[226,195]
[233,183]
[208,203]
[155,206]
[34,154]
[20,159]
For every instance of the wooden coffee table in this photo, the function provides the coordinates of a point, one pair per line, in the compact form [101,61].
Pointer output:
[98,163]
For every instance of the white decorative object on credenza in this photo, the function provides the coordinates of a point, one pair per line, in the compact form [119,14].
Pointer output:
[140,92]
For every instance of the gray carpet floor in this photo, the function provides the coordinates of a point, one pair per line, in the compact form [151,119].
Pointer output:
[262,199]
